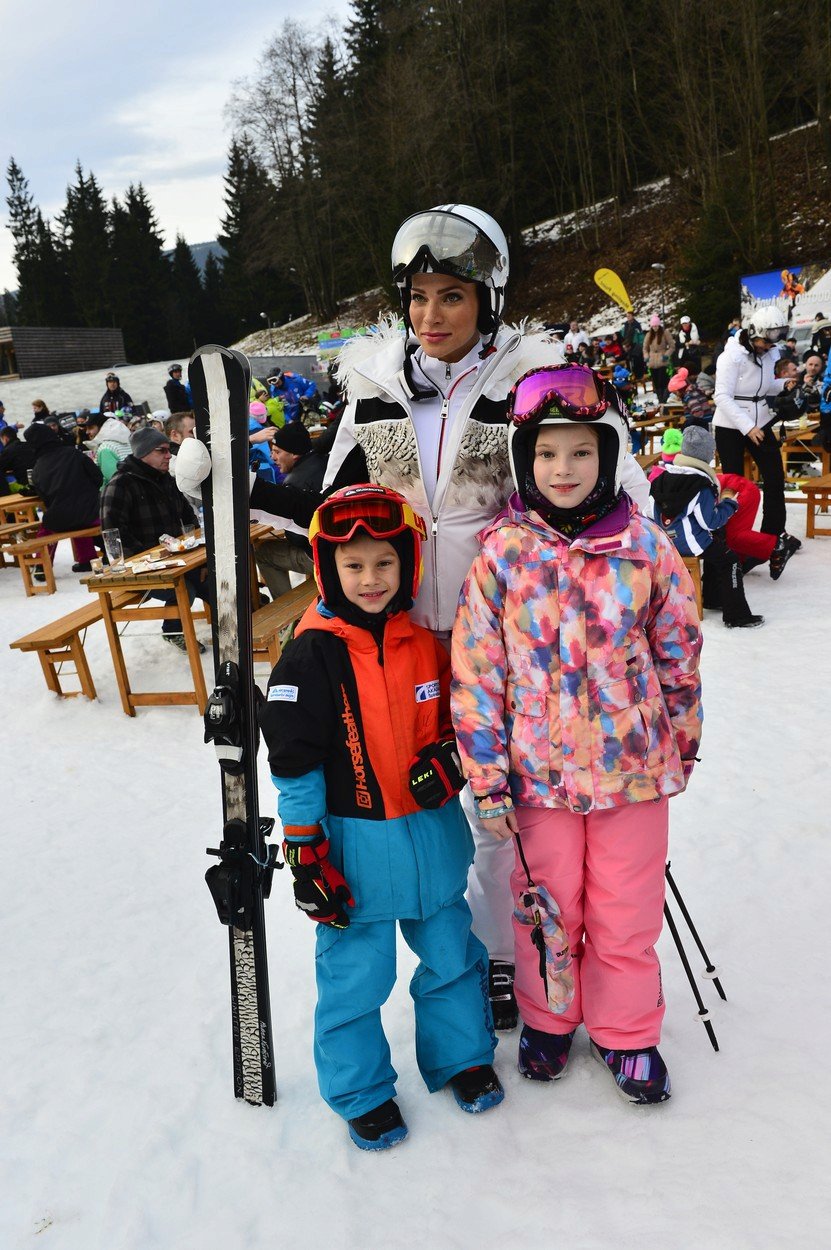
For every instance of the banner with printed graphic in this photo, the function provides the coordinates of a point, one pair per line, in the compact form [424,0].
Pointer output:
[802,292]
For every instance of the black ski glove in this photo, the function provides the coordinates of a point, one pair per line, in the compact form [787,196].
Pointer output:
[436,774]
[319,889]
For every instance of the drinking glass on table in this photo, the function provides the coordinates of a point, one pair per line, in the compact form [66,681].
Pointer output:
[114,550]
[189,536]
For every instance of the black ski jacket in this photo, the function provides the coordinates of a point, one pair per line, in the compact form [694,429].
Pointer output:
[67,481]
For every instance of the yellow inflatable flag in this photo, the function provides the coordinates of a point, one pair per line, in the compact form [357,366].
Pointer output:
[609,282]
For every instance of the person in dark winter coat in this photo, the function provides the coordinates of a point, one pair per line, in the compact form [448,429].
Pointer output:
[114,397]
[688,508]
[361,749]
[303,466]
[16,458]
[68,482]
[175,393]
[142,501]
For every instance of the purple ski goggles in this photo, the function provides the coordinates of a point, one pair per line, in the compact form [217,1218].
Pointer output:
[574,389]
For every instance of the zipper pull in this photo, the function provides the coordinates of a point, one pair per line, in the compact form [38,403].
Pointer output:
[435,528]
[445,407]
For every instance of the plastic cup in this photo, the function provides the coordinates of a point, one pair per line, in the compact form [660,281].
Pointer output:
[114,550]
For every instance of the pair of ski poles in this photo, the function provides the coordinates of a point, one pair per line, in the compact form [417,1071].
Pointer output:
[710,971]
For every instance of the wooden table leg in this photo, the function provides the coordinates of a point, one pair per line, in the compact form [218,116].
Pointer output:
[121,677]
[186,617]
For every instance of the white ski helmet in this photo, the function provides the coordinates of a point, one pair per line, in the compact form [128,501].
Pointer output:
[594,402]
[455,239]
[768,323]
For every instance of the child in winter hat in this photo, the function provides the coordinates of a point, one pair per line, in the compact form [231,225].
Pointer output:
[574,776]
[670,447]
[361,749]
[698,444]
[688,507]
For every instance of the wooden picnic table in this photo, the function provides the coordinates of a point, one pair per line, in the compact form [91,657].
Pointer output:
[799,440]
[24,507]
[111,586]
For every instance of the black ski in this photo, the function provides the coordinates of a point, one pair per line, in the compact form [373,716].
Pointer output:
[220,379]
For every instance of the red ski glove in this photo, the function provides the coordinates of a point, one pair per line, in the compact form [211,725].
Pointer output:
[319,889]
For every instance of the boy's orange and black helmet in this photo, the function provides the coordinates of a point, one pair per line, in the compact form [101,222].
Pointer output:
[376,511]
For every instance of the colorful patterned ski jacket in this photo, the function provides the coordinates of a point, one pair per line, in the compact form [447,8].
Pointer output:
[575,666]
[342,720]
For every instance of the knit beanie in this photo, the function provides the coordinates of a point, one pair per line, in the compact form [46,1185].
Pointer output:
[146,440]
[678,381]
[294,438]
[705,383]
[671,442]
[698,443]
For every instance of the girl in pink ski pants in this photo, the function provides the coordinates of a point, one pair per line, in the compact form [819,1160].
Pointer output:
[607,871]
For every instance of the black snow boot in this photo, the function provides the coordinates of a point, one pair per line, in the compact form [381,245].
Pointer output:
[477,1089]
[380,1128]
[780,556]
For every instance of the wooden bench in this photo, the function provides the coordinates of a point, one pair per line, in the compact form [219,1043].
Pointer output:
[34,553]
[817,492]
[8,535]
[60,643]
[269,622]
[693,566]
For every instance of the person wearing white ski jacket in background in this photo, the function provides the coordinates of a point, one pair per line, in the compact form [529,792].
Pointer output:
[743,418]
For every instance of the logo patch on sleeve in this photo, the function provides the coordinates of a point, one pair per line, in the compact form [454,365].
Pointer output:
[282,694]
[427,690]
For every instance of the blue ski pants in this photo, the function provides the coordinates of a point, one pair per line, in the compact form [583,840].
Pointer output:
[355,971]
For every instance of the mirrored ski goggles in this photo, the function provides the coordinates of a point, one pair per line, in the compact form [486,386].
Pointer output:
[379,516]
[573,389]
[448,242]
[774,335]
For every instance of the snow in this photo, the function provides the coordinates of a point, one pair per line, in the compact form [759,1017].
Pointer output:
[63,392]
[120,1128]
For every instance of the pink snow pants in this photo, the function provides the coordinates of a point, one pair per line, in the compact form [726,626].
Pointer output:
[605,869]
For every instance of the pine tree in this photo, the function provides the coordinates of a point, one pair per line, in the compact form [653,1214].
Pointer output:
[85,235]
[219,328]
[139,276]
[187,319]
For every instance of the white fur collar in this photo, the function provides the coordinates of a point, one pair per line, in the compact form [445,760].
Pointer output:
[369,363]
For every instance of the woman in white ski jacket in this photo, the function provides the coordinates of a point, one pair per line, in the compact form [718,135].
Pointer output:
[430,415]
[743,418]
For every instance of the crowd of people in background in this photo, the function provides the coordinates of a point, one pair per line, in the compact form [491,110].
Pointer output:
[652,363]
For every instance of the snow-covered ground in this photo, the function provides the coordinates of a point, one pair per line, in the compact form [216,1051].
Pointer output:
[120,1130]
[63,392]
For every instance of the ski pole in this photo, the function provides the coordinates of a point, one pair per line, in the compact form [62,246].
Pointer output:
[710,970]
[703,1013]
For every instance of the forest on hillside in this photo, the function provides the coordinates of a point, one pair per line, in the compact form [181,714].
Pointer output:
[527,108]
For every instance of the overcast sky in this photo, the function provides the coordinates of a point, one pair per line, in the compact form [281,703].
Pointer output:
[136,92]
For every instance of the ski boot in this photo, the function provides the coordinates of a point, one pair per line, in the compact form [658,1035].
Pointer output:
[743,622]
[477,1089]
[378,1129]
[501,994]
[640,1076]
[543,1056]
[780,556]
[793,543]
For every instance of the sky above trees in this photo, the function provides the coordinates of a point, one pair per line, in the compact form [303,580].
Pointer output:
[137,93]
